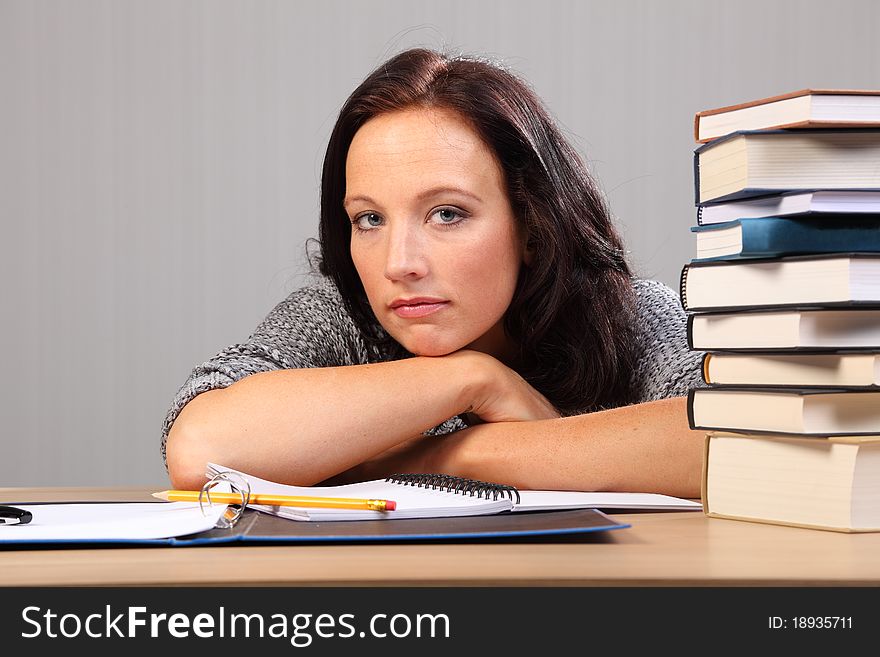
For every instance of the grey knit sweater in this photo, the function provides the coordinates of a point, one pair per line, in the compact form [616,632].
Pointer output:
[311,328]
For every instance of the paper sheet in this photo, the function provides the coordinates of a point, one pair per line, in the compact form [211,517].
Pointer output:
[112,521]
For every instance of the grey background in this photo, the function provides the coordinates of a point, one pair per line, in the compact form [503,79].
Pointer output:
[160,161]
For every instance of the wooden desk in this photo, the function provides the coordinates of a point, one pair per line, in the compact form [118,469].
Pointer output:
[660,549]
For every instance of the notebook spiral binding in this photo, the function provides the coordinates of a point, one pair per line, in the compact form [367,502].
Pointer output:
[457,485]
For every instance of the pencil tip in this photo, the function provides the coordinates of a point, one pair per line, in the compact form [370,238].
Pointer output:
[162,495]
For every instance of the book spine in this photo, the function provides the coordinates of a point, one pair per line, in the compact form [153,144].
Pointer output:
[690,408]
[775,236]
[705,368]
[682,286]
[699,215]
[697,178]
[689,330]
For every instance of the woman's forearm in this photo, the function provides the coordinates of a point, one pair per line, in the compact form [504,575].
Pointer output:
[303,426]
[641,448]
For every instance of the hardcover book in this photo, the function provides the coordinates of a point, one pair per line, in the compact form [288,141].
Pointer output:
[821,483]
[823,370]
[771,237]
[807,280]
[809,412]
[758,163]
[793,329]
[817,203]
[806,108]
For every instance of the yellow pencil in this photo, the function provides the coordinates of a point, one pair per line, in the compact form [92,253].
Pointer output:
[280,500]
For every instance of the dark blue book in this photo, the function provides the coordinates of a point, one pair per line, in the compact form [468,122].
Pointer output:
[771,237]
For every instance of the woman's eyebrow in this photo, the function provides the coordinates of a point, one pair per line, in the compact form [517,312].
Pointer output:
[447,189]
[421,196]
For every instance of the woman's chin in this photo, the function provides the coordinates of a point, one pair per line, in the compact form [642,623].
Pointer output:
[429,351]
[430,348]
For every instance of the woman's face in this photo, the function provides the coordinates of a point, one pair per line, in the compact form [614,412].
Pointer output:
[434,239]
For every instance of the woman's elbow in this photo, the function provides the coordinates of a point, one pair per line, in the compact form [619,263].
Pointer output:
[186,459]
[192,442]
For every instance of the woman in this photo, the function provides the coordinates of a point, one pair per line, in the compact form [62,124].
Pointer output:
[475,314]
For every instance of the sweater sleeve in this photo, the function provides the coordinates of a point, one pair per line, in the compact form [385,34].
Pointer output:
[665,367]
[310,328]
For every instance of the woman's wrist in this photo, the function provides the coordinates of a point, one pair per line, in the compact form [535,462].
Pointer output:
[440,453]
[474,376]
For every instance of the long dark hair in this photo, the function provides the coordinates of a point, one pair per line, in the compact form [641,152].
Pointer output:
[572,311]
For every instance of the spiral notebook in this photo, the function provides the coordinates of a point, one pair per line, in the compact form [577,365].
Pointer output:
[429,507]
[439,496]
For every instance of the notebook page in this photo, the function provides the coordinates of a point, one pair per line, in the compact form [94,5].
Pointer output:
[550,500]
[412,501]
[112,521]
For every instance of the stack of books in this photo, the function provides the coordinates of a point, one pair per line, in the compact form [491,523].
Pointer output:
[784,297]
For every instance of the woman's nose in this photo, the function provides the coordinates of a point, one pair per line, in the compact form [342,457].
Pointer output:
[405,253]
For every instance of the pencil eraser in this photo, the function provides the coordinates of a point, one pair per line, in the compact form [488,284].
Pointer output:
[390,505]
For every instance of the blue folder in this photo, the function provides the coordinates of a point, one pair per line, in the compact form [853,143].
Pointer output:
[256,527]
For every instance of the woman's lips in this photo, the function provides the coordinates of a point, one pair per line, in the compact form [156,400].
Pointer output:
[418,309]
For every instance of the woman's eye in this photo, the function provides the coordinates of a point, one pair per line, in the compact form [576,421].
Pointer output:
[447,216]
[368,221]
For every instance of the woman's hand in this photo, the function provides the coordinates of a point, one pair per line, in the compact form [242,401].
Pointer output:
[502,395]
[494,393]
